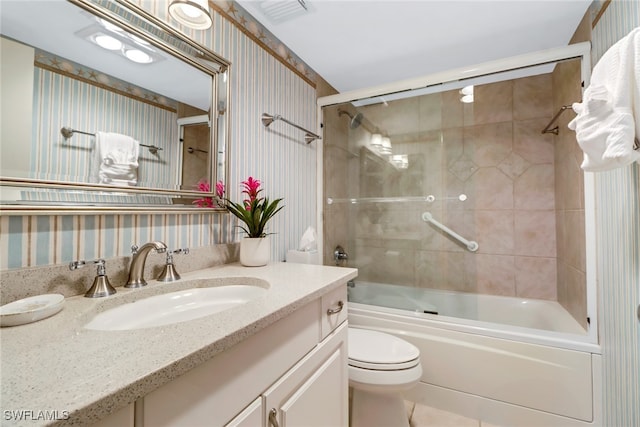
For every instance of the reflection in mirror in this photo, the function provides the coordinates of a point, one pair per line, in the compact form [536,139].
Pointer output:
[136,117]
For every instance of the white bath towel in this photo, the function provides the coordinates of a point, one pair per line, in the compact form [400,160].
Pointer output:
[115,159]
[608,120]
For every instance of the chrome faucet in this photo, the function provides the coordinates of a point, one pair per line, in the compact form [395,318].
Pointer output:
[339,254]
[136,270]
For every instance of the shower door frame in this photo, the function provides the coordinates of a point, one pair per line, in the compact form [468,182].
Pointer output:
[581,51]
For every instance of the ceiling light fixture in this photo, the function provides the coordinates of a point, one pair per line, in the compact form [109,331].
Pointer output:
[376,141]
[119,42]
[192,13]
[400,161]
[107,42]
[386,145]
[466,94]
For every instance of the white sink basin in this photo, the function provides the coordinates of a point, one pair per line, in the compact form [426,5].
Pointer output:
[174,307]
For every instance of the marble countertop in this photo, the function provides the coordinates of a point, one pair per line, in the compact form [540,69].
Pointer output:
[83,375]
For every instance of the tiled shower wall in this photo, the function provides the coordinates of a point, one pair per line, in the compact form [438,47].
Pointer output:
[493,152]
[278,156]
[569,188]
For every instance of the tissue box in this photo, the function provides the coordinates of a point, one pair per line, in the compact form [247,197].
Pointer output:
[302,257]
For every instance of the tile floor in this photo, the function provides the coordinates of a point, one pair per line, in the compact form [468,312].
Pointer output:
[425,416]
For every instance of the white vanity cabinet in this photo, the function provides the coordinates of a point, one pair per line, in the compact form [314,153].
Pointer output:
[296,367]
[123,418]
[313,393]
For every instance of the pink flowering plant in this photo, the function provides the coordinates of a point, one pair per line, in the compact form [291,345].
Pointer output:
[209,202]
[254,211]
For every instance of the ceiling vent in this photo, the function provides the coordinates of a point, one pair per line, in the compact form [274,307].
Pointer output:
[279,11]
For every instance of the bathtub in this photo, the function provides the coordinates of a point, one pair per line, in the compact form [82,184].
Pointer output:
[507,361]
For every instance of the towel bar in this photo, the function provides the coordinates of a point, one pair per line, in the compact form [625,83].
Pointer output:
[548,128]
[309,136]
[68,132]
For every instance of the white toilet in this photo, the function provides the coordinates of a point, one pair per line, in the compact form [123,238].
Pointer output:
[380,367]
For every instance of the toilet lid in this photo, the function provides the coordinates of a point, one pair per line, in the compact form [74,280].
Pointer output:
[377,350]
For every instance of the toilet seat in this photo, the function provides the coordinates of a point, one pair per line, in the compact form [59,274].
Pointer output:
[379,351]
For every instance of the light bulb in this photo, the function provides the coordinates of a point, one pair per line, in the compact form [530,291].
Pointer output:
[386,145]
[107,42]
[192,13]
[467,99]
[138,56]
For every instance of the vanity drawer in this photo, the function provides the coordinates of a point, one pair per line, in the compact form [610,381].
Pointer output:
[334,310]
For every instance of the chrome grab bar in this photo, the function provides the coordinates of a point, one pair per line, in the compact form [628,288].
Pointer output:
[470,244]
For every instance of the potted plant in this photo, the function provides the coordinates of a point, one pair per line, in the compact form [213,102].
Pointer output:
[254,212]
[209,202]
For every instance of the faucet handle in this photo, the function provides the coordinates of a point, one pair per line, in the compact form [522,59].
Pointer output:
[101,286]
[184,251]
[74,265]
[169,273]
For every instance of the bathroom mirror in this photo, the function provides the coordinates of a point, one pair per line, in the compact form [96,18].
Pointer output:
[106,106]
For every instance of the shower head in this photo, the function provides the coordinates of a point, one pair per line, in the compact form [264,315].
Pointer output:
[355,120]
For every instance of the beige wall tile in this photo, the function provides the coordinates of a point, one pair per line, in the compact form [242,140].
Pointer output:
[574,243]
[488,144]
[535,233]
[514,165]
[560,235]
[441,270]
[391,266]
[452,110]
[570,184]
[490,189]
[536,278]
[463,168]
[492,229]
[534,189]
[529,143]
[491,274]
[532,97]
[576,295]
[430,110]
[335,231]
[493,103]
[452,143]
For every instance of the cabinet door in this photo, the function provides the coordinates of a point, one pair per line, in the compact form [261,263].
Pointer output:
[315,391]
[250,417]
[214,392]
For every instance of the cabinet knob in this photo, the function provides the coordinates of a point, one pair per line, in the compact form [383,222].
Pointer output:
[336,310]
[273,420]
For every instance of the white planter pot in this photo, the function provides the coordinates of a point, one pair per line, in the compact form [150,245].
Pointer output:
[255,251]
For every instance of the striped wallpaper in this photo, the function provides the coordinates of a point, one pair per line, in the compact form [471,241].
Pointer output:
[278,156]
[90,108]
[618,235]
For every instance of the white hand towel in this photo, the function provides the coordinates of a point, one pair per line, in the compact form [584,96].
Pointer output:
[115,160]
[608,120]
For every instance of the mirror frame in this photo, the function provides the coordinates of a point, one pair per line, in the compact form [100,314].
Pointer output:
[175,43]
